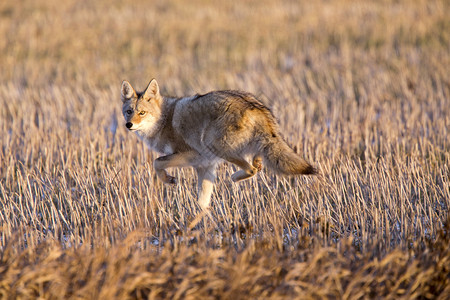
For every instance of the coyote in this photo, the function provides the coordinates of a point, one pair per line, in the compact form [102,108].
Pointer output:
[203,130]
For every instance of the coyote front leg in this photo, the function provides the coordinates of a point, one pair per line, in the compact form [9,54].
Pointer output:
[175,160]
[206,178]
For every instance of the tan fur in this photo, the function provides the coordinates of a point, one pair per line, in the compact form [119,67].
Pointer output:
[202,130]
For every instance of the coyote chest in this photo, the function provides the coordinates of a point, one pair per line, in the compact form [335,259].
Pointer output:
[156,145]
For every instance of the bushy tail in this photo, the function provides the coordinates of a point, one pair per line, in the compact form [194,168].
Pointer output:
[282,159]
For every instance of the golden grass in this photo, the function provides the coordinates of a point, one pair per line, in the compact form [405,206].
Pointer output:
[361,88]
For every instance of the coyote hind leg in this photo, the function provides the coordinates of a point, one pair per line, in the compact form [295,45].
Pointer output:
[247,169]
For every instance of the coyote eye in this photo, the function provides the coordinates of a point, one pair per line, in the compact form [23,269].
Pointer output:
[129,112]
[142,113]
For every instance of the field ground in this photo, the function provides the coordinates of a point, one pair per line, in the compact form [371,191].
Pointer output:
[361,88]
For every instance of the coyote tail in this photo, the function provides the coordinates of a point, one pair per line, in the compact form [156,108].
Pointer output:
[282,159]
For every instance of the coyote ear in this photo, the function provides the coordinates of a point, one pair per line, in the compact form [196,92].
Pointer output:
[152,90]
[127,91]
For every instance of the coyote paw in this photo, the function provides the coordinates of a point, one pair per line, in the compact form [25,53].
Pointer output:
[242,175]
[171,180]
[257,163]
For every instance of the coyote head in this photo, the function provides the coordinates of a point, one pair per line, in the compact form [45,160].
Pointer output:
[141,110]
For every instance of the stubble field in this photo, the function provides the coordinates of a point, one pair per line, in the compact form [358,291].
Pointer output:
[360,88]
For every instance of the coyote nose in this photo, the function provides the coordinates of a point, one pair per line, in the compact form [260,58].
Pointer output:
[129,125]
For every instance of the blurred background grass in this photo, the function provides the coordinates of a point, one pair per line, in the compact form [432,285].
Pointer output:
[101,42]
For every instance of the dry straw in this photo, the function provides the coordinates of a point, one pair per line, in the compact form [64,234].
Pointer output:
[361,88]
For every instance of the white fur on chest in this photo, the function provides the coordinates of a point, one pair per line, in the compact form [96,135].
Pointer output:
[156,145]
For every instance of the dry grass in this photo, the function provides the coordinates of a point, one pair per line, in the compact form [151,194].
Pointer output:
[361,88]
